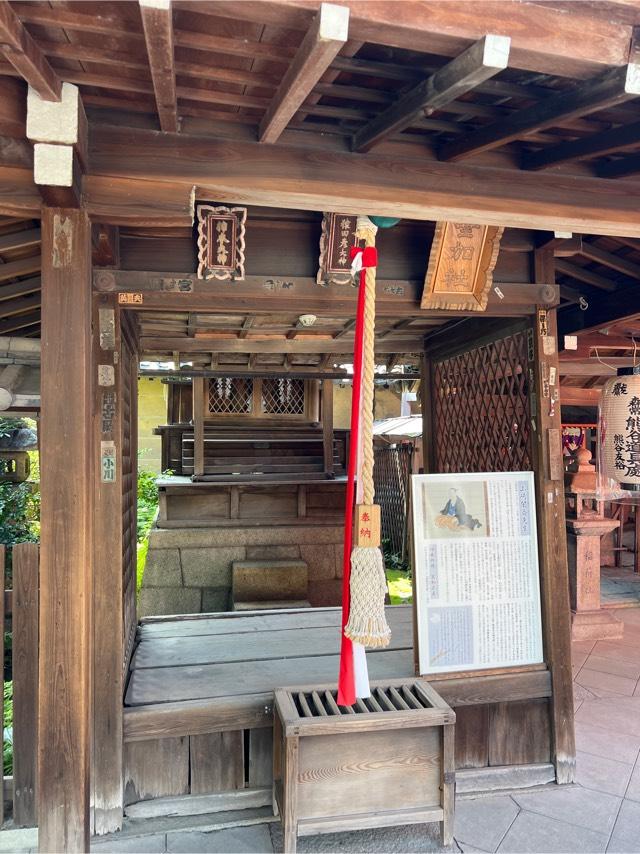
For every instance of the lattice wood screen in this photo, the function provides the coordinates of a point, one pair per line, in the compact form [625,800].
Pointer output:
[283,396]
[230,396]
[481,409]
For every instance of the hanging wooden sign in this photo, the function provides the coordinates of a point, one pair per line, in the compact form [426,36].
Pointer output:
[337,237]
[221,233]
[461,263]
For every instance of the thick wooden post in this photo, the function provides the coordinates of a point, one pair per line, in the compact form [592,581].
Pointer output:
[24,620]
[108,656]
[327,426]
[64,702]
[198,425]
[552,536]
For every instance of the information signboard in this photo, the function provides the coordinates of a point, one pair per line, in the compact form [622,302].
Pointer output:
[477,588]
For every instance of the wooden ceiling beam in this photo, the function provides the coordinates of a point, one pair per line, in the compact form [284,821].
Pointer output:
[543,39]
[478,63]
[613,87]
[609,259]
[19,239]
[26,57]
[23,267]
[620,167]
[20,321]
[18,289]
[150,344]
[409,187]
[582,274]
[576,396]
[157,23]
[596,145]
[324,39]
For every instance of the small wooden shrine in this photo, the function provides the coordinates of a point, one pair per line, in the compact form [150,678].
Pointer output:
[487,125]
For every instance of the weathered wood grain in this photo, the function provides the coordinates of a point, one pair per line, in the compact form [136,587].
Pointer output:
[25,683]
[155,769]
[66,557]
[216,762]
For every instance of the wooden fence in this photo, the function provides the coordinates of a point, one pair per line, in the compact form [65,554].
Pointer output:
[19,615]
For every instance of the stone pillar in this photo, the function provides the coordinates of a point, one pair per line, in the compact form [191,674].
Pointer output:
[589,621]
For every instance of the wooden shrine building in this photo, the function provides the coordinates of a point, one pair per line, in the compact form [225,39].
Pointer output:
[116,123]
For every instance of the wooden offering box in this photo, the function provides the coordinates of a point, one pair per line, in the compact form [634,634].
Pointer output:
[388,760]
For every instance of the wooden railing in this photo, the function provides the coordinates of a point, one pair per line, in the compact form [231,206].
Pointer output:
[19,615]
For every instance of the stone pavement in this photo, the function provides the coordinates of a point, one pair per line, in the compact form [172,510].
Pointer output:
[599,814]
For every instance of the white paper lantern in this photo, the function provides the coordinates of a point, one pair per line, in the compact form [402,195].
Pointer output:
[619,429]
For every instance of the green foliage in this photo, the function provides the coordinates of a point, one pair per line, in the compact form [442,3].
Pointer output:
[7,745]
[141,556]
[147,511]
[400,589]
[147,503]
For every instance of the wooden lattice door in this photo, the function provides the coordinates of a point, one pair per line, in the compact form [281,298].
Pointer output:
[481,407]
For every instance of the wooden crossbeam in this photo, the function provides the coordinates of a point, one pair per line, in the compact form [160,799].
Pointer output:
[324,39]
[157,24]
[620,167]
[26,57]
[575,396]
[233,345]
[611,88]
[595,145]
[422,189]
[609,259]
[478,63]
[584,275]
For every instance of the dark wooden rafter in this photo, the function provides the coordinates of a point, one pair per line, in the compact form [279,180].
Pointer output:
[19,240]
[26,57]
[583,274]
[324,39]
[620,167]
[613,87]
[609,259]
[478,63]
[595,145]
[158,32]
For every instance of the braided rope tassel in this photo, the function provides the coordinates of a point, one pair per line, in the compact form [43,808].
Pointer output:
[367,624]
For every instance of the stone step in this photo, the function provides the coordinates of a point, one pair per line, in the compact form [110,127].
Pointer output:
[268,580]
[276,604]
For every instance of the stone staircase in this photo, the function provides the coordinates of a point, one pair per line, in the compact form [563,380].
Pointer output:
[259,585]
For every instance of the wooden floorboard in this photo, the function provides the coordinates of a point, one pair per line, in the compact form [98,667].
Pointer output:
[163,685]
[214,626]
[236,623]
[177,652]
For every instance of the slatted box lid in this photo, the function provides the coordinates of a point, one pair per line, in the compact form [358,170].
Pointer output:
[393,704]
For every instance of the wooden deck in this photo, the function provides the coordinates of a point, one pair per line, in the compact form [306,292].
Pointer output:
[239,655]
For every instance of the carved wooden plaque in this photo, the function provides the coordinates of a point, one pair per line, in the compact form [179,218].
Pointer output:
[337,238]
[221,242]
[461,263]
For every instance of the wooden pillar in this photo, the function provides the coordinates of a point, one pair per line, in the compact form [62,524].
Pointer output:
[327,426]
[428,420]
[64,702]
[198,426]
[551,525]
[24,621]
[108,654]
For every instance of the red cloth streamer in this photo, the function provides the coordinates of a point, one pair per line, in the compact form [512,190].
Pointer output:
[346,679]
